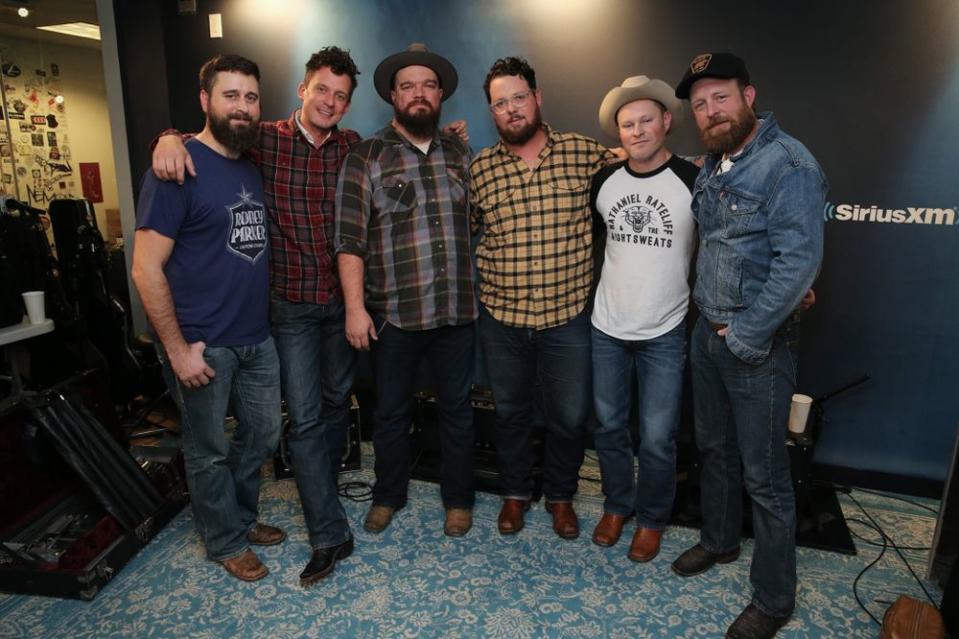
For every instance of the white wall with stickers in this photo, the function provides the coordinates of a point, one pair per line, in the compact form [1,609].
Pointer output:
[55,126]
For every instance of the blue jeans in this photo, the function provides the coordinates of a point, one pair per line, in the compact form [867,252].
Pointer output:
[556,363]
[316,368]
[658,364]
[396,355]
[224,476]
[741,414]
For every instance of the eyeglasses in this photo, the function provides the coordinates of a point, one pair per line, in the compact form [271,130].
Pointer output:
[518,101]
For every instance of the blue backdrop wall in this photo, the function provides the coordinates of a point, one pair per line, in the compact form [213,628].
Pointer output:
[869,86]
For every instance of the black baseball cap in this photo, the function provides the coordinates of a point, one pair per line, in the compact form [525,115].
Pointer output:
[712,65]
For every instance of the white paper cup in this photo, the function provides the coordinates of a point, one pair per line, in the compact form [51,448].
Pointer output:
[33,300]
[799,413]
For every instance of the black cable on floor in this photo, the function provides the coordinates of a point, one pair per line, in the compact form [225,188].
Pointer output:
[891,542]
[870,542]
[855,583]
[358,491]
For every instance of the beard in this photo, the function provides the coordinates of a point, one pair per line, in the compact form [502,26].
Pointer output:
[524,134]
[238,138]
[420,123]
[740,126]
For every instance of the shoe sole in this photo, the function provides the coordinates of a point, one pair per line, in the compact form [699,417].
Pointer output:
[512,531]
[722,559]
[605,544]
[312,579]
[642,559]
[455,533]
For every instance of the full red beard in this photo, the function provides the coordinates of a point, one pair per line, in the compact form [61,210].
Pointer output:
[740,126]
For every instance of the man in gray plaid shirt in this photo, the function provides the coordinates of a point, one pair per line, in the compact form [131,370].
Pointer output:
[403,251]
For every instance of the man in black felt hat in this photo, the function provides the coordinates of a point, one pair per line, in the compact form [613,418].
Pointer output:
[403,251]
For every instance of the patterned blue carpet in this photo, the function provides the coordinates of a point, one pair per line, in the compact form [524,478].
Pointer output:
[412,581]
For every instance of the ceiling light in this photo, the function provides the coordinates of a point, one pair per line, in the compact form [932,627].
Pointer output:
[23,12]
[79,29]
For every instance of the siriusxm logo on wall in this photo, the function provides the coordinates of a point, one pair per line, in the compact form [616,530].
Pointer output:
[873,213]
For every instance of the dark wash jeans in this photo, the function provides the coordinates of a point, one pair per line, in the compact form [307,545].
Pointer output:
[396,355]
[741,414]
[658,364]
[224,475]
[316,367]
[556,362]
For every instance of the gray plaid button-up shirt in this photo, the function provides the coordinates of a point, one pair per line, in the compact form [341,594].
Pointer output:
[406,214]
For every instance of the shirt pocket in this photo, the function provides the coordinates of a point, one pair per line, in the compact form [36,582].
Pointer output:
[740,213]
[395,195]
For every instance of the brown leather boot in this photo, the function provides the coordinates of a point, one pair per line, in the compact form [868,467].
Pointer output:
[510,519]
[645,544]
[263,535]
[608,530]
[565,523]
[246,566]
[458,522]
[378,518]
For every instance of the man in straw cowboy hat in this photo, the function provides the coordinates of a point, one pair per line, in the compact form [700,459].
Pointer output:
[758,201]
[638,318]
[403,250]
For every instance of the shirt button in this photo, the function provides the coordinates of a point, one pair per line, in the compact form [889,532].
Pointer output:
[733,207]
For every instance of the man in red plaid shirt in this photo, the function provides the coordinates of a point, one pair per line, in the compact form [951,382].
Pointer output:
[300,160]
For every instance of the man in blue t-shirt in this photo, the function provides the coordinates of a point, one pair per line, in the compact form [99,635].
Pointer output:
[200,265]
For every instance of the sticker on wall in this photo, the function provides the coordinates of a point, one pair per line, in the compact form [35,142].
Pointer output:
[90,179]
[41,73]
[2,117]
[19,105]
[36,139]
[54,153]
[22,171]
[10,69]
[51,138]
[52,121]
[54,69]
[38,119]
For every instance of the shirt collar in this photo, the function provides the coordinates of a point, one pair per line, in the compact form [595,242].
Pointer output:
[295,118]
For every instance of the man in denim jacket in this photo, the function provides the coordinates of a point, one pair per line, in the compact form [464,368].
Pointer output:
[758,201]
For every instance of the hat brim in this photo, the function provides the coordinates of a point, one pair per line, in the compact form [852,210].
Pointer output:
[653,90]
[383,76]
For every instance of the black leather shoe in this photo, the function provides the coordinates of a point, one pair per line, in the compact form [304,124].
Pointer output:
[322,562]
[753,623]
[698,560]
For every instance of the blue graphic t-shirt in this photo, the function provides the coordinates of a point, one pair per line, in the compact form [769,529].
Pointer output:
[218,269]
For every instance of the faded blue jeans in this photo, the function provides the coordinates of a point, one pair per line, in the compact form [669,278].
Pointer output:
[224,475]
[658,364]
[316,367]
[741,414]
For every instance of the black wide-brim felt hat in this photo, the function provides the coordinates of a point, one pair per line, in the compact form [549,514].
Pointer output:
[415,54]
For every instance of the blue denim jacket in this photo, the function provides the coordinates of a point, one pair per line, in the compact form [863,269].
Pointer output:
[761,238]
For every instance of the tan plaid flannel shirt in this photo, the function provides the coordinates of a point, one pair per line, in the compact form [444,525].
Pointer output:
[535,257]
